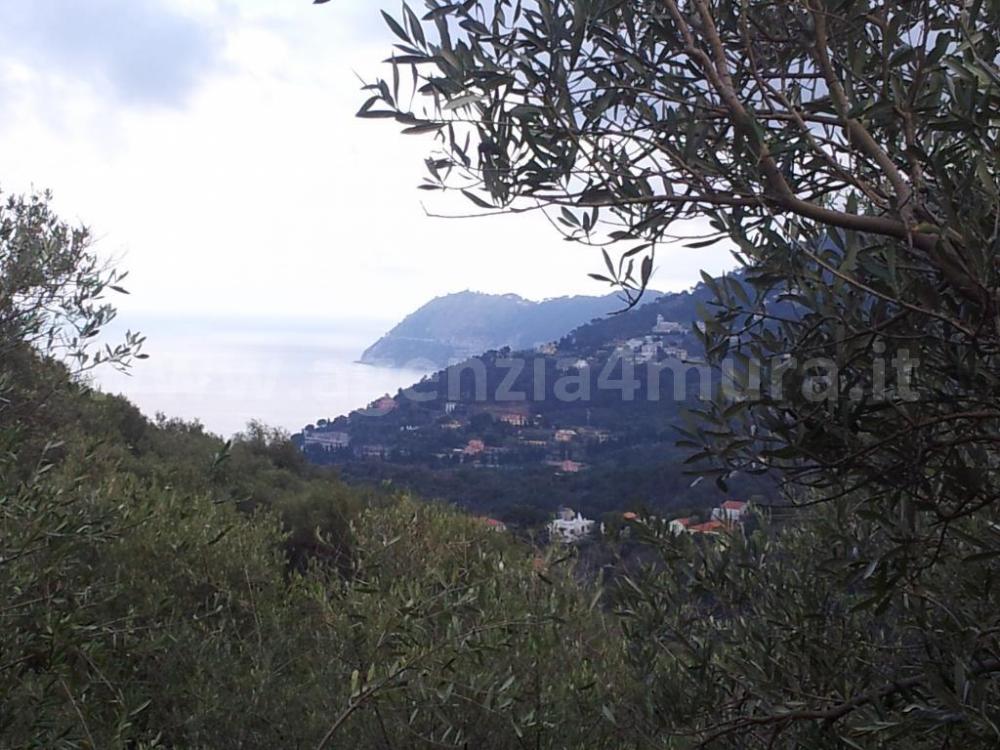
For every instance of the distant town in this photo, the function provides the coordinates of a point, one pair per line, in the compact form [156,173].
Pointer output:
[530,435]
[516,435]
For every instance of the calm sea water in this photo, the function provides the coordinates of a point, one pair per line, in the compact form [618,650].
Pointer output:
[286,373]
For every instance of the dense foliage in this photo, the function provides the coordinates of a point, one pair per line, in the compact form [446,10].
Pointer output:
[847,150]
[159,588]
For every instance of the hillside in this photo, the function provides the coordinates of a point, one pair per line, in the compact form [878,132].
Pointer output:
[588,421]
[454,327]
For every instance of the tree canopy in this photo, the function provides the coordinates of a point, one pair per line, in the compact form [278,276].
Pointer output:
[847,152]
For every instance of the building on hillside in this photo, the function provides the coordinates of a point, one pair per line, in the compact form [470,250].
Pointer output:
[565,436]
[327,441]
[667,326]
[680,525]
[566,465]
[474,447]
[549,348]
[449,407]
[709,527]
[494,525]
[570,527]
[534,443]
[514,419]
[731,511]
[516,416]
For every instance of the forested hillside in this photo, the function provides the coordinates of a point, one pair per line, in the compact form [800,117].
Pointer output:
[590,422]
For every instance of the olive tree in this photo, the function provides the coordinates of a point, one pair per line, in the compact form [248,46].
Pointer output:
[847,150]
[847,153]
[53,288]
[53,306]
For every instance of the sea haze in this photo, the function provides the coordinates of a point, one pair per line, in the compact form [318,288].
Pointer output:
[224,372]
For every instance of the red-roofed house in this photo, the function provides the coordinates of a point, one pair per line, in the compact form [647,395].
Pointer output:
[711,527]
[474,447]
[494,524]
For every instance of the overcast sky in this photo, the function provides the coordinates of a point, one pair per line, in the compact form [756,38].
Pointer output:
[212,147]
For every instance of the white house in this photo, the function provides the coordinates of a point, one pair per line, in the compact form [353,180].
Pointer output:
[731,511]
[326,440]
[570,527]
[680,525]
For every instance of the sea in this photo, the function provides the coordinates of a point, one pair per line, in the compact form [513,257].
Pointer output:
[225,372]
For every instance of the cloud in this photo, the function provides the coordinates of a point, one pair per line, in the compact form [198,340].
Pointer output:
[263,195]
[142,52]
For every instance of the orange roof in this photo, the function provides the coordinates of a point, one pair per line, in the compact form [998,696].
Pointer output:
[734,505]
[709,527]
[630,516]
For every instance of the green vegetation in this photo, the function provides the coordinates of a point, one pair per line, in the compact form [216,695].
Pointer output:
[160,588]
[847,151]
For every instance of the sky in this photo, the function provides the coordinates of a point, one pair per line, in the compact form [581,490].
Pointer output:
[211,146]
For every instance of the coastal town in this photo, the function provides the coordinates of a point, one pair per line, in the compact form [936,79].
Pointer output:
[487,433]
[588,421]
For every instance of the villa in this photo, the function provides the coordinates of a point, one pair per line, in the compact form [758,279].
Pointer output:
[570,527]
